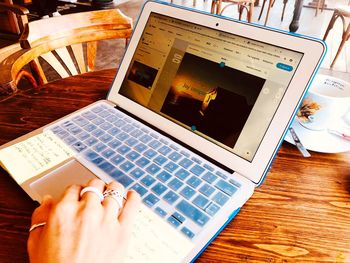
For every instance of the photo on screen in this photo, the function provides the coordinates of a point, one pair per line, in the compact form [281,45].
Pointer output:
[142,74]
[212,98]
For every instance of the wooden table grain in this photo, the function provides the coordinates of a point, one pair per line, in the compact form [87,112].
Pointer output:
[301,213]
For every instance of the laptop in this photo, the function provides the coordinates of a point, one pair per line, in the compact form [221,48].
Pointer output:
[192,122]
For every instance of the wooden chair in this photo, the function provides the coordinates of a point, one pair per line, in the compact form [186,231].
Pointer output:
[13,18]
[270,5]
[59,41]
[344,14]
[242,5]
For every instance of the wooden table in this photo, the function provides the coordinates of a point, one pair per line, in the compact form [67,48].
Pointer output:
[300,214]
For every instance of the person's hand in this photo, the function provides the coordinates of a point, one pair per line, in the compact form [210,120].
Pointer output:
[82,229]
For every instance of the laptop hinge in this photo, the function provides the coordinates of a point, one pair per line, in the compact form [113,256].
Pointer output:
[177,141]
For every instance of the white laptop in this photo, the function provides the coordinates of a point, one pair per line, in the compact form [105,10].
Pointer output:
[193,120]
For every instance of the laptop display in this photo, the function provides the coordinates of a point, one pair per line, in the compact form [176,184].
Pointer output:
[223,87]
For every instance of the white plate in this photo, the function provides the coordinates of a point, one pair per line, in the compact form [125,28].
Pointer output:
[318,141]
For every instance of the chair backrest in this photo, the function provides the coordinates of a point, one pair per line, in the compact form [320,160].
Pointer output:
[12,19]
[58,40]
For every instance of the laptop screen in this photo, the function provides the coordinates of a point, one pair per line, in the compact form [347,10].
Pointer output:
[221,86]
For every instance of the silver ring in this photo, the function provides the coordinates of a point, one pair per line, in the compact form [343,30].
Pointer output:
[36,226]
[116,195]
[93,190]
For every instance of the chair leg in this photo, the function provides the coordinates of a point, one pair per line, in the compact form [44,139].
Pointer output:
[213,5]
[345,37]
[262,9]
[268,12]
[240,11]
[320,4]
[284,8]
[218,7]
[331,24]
[250,12]
[323,4]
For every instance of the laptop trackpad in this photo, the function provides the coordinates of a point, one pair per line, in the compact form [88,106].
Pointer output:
[55,182]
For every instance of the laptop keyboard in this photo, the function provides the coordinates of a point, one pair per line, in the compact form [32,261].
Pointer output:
[175,183]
